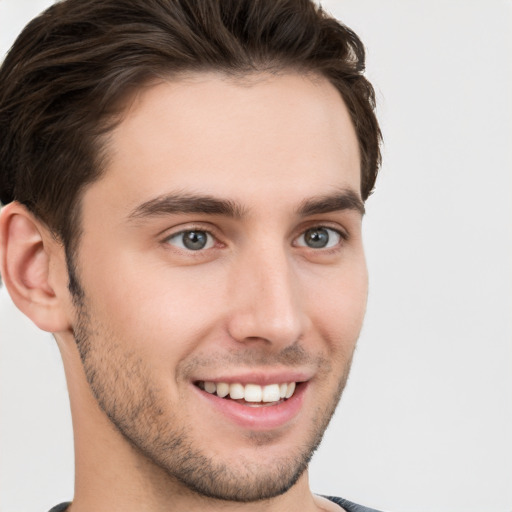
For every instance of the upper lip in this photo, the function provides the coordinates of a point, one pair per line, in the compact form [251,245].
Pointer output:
[261,378]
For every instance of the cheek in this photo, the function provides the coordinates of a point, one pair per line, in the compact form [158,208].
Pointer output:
[159,309]
[339,306]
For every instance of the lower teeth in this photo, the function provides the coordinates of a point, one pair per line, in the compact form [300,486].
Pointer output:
[258,404]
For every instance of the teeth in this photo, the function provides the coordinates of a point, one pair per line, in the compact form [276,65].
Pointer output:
[291,390]
[210,387]
[222,389]
[253,393]
[250,392]
[236,391]
[271,393]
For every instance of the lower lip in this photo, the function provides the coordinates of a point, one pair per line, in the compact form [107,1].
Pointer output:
[258,418]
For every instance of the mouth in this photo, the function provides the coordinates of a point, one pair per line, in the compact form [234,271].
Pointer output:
[258,403]
[250,395]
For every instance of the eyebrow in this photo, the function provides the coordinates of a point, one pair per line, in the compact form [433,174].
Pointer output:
[345,199]
[186,203]
[203,204]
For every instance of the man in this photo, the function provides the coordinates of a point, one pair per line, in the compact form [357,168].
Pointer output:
[184,185]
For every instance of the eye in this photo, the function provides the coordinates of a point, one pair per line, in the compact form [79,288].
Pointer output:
[192,240]
[319,238]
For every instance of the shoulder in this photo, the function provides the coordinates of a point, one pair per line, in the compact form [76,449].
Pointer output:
[349,506]
[60,508]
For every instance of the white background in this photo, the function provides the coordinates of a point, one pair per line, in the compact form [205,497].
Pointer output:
[426,421]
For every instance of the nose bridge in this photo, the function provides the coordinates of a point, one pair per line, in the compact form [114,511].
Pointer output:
[267,303]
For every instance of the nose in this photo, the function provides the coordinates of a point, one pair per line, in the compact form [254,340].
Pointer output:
[266,304]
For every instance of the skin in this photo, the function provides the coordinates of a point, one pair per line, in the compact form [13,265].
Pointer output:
[156,316]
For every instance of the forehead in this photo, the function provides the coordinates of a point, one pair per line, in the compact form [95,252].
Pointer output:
[285,136]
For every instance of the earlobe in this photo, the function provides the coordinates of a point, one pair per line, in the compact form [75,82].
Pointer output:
[26,251]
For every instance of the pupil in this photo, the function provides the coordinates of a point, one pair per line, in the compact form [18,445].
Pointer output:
[317,238]
[194,240]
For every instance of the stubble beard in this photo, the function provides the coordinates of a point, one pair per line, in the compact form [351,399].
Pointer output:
[121,384]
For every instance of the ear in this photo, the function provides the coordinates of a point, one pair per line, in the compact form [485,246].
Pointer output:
[28,256]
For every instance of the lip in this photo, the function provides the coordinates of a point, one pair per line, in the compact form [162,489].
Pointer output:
[263,418]
[261,378]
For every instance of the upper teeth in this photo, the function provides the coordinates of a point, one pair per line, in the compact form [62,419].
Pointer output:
[250,392]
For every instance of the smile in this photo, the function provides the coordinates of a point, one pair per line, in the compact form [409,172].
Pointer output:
[250,394]
[257,402]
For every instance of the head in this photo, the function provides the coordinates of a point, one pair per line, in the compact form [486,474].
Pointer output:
[199,170]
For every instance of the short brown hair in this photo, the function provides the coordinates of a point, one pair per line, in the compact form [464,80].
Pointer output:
[61,83]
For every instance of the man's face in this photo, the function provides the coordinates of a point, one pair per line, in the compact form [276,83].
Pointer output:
[221,252]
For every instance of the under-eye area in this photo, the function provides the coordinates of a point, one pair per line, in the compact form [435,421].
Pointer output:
[252,395]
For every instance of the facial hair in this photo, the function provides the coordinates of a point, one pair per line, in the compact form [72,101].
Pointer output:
[121,382]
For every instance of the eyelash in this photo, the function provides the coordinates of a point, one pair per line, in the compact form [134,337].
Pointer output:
[343,237]
[190,229]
